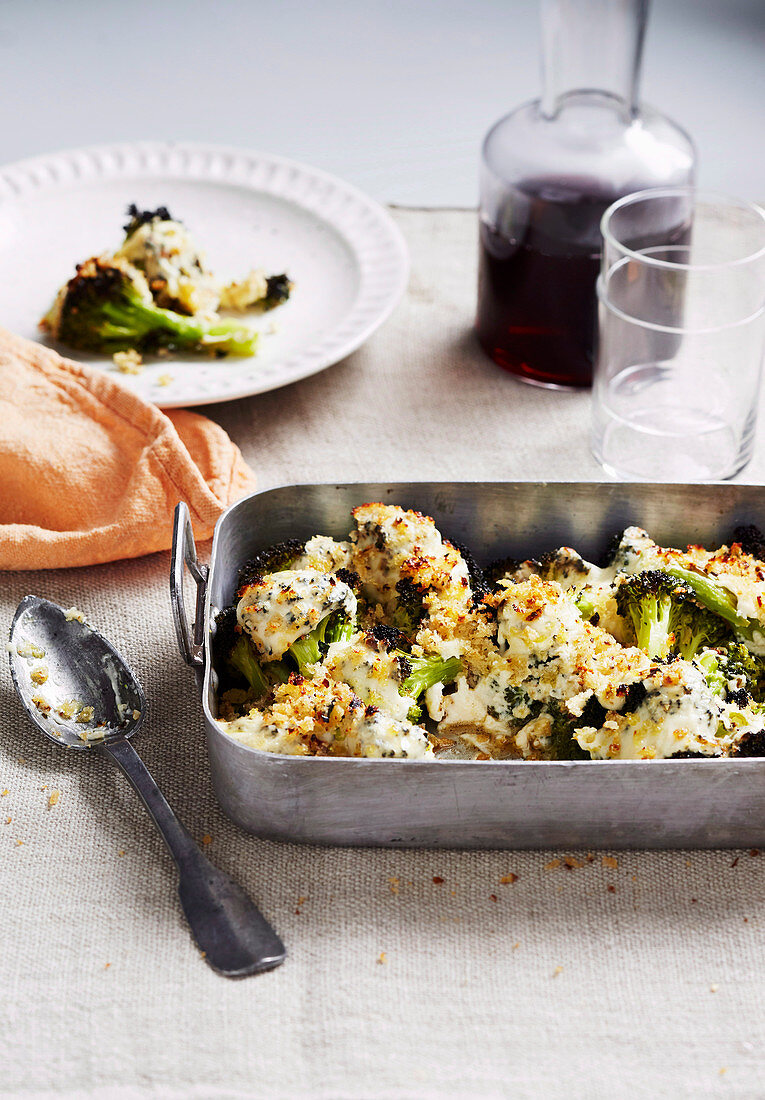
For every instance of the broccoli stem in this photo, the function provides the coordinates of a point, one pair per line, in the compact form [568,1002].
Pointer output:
[243,659]
[309,649]
[427,671]
[716,599]
[126,327]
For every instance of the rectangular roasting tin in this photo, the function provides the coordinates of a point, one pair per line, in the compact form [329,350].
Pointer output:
[472,804]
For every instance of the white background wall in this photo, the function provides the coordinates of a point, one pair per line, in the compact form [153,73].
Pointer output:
[394,95]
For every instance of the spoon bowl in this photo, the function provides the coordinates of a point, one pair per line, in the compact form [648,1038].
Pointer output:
[77,688]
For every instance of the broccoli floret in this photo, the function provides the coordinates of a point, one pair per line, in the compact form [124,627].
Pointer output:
[425,672]
[751,540]
[711,594]
[410,608]
[233,652]
[752,744]
[730,665]
[278,290]
[422,673]
[479,585]
[507,567]
[666,617]
[310,649]
[107,308]
[650,601]
[274,559]
[244,659]
[563,745]
[143,217]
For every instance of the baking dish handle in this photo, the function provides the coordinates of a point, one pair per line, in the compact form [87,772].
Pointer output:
[190,638]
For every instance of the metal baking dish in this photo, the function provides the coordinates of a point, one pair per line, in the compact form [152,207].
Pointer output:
[472,804]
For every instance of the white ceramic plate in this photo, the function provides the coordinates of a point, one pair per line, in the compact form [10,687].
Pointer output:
[345,255]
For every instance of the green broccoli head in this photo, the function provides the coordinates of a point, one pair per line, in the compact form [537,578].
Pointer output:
[107,307]
[666,616]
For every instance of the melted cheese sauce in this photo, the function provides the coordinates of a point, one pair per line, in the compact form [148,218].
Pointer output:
[285,606]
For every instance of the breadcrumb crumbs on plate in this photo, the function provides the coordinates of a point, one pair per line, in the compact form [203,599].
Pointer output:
[165,379]
[382,958]
[85,714]
[507,879]
[73,614]
[39,675]
[53,798]
[552,865]
[609,861]
[136,715]
[128,362]
[572,863]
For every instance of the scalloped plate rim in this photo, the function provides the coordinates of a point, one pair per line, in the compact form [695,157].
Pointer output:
[17,182]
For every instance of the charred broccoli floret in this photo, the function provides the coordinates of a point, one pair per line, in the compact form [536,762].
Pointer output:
[665,615]
[278,290]
[234,654]
[751,540]
[273,559]
[563,745]
[144,217]
[107,307]
[410,608]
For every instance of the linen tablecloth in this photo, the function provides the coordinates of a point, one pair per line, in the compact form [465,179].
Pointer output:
[410,973]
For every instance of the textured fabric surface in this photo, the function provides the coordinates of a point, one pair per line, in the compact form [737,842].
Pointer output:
[410,973]
[91,473]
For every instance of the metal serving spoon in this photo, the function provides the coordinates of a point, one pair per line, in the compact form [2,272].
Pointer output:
[80,692]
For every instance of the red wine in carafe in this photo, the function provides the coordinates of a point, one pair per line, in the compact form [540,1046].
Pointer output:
[538,267]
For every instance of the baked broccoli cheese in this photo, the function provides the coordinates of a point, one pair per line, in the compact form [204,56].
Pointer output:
[156,295]
[394,643]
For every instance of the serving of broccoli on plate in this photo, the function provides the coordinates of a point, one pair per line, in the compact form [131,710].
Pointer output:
[154,295]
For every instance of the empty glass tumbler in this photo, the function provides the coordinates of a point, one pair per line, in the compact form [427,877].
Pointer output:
[681,336]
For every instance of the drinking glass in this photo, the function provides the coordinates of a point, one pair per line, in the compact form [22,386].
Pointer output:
[681,335]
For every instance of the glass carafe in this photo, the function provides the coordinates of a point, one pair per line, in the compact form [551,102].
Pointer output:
[549,170]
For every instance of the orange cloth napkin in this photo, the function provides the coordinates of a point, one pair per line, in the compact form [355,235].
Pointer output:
[91,473]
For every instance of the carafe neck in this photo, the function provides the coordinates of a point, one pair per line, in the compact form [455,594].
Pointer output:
[592,46]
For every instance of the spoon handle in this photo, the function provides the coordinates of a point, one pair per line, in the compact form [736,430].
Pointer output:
[235,936]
